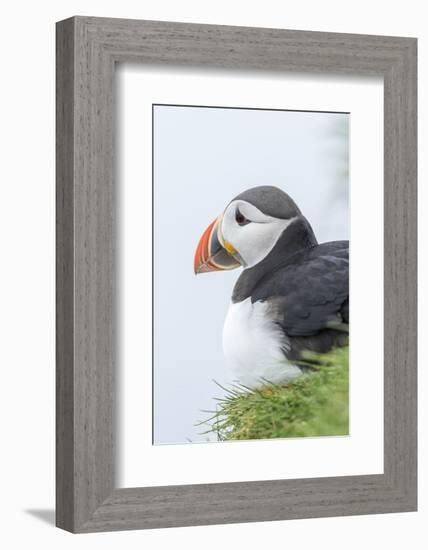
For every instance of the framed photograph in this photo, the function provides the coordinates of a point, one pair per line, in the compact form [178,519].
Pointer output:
[236,274]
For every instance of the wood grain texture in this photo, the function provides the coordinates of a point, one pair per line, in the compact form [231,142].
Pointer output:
[87,50]
[64,277]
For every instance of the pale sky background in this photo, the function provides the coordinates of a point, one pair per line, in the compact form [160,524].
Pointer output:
[203,157]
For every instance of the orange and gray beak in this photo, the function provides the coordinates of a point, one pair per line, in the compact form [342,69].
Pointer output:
[212,252]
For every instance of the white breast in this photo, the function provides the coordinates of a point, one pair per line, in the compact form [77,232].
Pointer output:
[254,344]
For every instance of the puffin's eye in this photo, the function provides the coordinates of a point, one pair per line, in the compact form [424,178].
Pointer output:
[240,218]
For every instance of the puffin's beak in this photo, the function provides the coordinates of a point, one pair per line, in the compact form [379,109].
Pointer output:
[211,254]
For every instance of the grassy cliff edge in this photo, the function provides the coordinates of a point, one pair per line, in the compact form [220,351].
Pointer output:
[316,404]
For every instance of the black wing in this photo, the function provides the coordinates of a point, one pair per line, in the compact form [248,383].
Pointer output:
[310,298]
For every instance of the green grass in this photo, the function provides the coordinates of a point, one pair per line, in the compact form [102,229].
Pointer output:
[316,404]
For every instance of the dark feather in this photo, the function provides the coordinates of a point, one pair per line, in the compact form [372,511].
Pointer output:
[309,296]
[307,286]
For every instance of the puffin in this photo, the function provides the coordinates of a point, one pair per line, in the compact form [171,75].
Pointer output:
[292,296]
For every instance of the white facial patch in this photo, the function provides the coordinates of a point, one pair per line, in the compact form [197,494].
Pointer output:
[254,240]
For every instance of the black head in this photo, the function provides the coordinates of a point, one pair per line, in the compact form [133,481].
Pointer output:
[271,200]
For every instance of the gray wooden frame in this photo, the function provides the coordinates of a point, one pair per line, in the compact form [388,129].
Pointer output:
[87,50]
